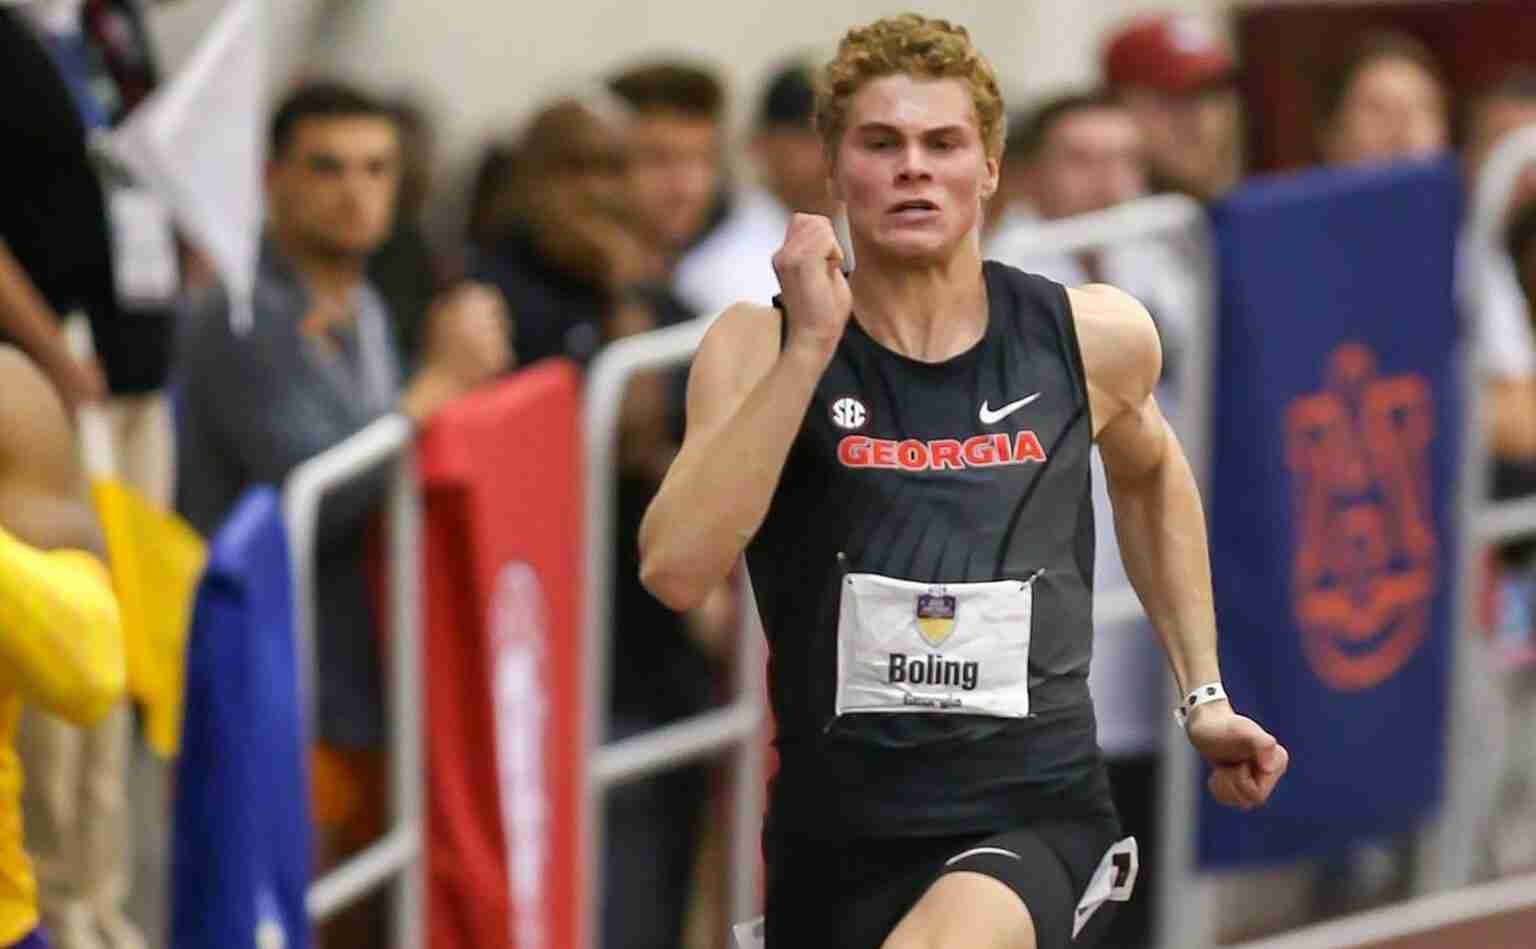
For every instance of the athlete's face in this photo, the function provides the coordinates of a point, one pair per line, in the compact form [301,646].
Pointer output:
[912,167]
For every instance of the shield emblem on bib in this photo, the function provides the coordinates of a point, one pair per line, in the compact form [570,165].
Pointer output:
[935,617]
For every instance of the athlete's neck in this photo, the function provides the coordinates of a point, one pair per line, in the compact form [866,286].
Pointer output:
[929,312]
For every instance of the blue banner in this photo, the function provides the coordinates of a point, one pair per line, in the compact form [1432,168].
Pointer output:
[1336,439]
[241,839]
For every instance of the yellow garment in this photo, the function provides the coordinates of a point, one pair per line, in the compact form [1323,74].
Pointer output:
[61,639]
[157,560]
[18,888]
[61,648]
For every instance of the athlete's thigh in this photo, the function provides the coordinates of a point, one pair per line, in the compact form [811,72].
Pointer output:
[965,910]
[848,896]
[1017,889]
[988,895]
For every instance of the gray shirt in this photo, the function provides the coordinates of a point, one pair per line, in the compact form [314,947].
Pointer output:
[250,409]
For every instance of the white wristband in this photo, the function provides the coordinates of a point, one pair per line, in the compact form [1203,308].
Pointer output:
[1198,696]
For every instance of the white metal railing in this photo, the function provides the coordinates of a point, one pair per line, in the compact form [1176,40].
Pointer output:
[735,725]
[401,851]
[1183,914]
[1417,917]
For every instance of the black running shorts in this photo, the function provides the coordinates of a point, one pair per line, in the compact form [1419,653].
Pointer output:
[852,894]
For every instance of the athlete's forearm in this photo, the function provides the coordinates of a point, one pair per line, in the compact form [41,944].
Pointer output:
[717,493]
[61,640]
[1160,523]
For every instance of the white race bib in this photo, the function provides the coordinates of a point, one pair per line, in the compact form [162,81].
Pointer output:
[961,648]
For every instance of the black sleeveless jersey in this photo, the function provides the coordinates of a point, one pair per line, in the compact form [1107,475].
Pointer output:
[968,470]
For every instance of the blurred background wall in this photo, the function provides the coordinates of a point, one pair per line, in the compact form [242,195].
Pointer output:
[491,60]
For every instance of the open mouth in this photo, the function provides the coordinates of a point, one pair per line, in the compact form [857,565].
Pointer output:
[914,207]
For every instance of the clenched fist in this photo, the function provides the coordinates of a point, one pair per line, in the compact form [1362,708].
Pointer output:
[467,335]
[467,342]
[817,299]
[1246,761]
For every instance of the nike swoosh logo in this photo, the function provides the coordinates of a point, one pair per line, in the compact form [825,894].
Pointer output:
[989,417]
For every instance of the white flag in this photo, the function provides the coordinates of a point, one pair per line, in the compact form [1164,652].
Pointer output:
[199,142]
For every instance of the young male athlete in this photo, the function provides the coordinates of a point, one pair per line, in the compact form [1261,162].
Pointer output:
[902,453]
[61,646]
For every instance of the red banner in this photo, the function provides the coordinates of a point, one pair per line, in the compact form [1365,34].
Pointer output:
[501,474]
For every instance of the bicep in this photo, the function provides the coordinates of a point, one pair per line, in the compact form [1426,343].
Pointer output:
[1122,354]
[1135,442]
[733,358]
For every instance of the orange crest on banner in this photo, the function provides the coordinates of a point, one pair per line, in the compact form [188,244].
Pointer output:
[1365,570]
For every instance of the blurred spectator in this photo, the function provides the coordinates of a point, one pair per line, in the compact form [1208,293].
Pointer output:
[121,268]
[492,197]
[1076,154]
[733,262]
[1511,836]
[404,269]
[318,366]
[1079,153]
[1488,283]
[61,645]
[673,141]
[1386,102]
[568,254]
[1178,79]
[1506,105]
[55,254]
[675,144]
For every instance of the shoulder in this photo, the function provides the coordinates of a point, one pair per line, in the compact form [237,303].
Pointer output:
[1122,356]
[739,348]
[744,333]
[36,438]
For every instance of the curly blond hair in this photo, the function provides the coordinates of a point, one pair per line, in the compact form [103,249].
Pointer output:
[908,45]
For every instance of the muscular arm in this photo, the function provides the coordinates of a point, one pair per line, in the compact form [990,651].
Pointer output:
[746,400]
[1159,519]
[60,636]
[1161,526]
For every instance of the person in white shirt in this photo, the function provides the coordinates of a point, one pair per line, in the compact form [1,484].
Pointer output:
[1076,154]
[1487,285]
[1494,284]
[733,262]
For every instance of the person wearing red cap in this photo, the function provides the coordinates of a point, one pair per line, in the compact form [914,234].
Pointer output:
[1177,78]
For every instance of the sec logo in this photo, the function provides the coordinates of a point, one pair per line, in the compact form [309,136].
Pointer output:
[849,413]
